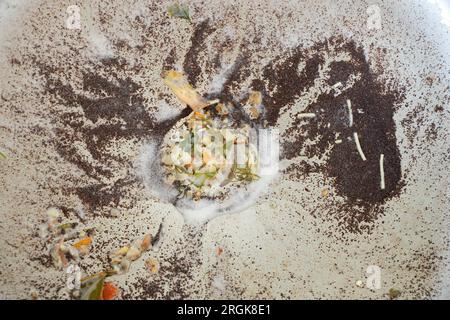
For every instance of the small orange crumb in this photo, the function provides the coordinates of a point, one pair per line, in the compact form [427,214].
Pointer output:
[199,115]
[221,109]
[109,291]
[83,242]
[146,242]
[219,251]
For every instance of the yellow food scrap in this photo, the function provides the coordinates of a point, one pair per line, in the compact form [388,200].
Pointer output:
[122,251]
[255,98]
[254,112]
[180,86]
[152,265]
[133,254]
[207,157]
[325,193]
[254,104]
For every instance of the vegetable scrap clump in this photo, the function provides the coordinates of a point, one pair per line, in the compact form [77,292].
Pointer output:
[207,152]
[253,108]
[70,241]
[95,287]
[204,154]
[122,258]
[152,265]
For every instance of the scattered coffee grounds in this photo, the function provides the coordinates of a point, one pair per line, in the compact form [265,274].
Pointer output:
[97,196]
[423,262]
[284,81]
[239,72]
[373,108]
[190,65]
[169,62]
[114,103]
[117,110]
[116,107]
[178,267]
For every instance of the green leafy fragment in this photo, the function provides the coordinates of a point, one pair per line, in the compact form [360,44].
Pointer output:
[208,175]
[2,155]
[201,177]
[179,11]
[92,287]
[67,226]
[243,174]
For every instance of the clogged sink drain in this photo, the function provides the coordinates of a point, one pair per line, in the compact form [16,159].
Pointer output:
[216,160]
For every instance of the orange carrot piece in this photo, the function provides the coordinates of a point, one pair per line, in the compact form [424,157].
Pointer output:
[109,291]
[83,242]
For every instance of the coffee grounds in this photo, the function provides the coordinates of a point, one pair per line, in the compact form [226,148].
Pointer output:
[285,82]
[119,104]
[373,110]
[373,107]
[119,97]
[191,65]
[178,267]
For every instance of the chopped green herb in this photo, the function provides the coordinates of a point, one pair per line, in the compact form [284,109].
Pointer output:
[243,174]
[208,175]
[180,169]
[179,11]
[67,226]
[2,155]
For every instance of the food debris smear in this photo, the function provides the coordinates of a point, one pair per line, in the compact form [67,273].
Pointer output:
[206,154]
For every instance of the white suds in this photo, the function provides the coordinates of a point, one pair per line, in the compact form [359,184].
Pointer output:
[149,170]
[100,46]
[80,212]
[382,185]
[358,146]
[220,78]
[166,111]
[306,115]
[219,282]
[350,113]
